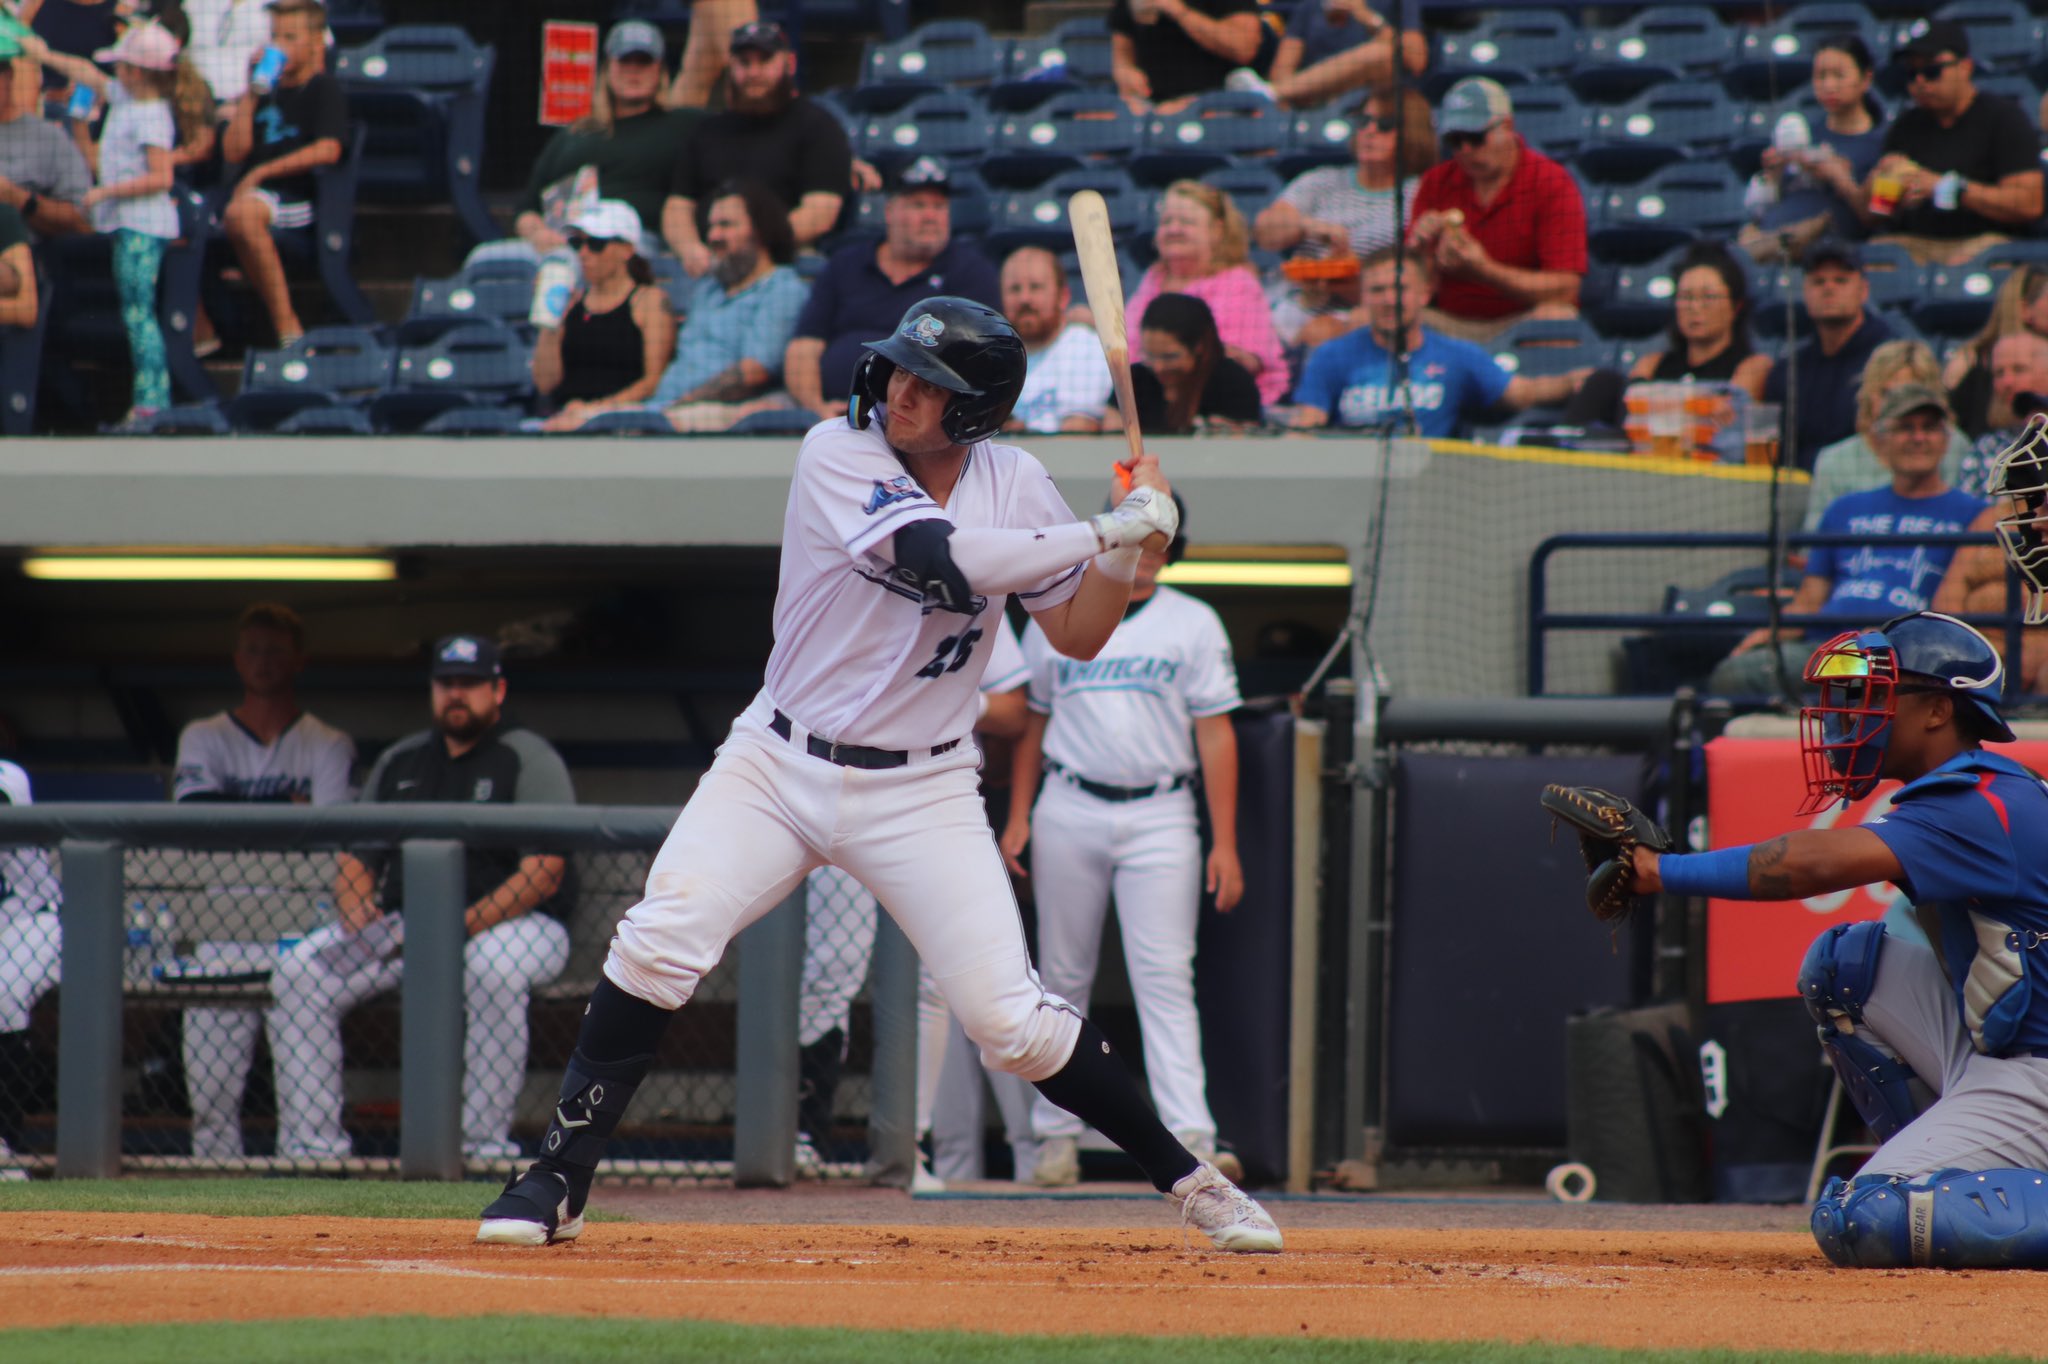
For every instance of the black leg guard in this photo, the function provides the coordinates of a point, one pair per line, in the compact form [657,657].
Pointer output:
[1096,1087]
[817,1087]
[546,1203]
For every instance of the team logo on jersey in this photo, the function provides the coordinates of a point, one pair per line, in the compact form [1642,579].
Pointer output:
[483,789]
[924,329]
[902,488]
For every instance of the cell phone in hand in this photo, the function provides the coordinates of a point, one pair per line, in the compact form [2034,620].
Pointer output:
[84,99]
[269,66]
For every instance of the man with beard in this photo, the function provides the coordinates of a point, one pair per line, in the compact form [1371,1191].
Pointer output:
[862,287]
[767,130]
[1066,380]
[519,900]
[738,318]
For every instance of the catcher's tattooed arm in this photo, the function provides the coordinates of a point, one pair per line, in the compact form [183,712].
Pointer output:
[1789,867]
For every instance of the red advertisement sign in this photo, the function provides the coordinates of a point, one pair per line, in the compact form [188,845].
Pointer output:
[1754,947]
[568,71]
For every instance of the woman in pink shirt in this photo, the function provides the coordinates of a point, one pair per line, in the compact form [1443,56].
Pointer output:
[1204,248]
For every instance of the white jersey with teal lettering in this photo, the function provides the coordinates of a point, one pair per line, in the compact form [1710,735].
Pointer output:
[860,656]
[26,882]
[1126,716]
[219,759]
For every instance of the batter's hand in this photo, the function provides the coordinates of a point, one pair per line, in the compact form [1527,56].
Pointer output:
[1225,879]
[1145,473]
[1016,837]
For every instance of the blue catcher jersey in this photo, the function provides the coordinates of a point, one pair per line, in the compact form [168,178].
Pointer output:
[1970,835]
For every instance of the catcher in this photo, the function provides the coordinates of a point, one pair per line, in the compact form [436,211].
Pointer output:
[1944,1051]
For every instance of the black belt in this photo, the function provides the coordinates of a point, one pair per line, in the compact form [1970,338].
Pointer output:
[1104,791]
[852,755]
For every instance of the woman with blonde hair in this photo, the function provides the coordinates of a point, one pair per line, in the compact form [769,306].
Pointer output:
[1204,251]
[1850,465]
[2022,304]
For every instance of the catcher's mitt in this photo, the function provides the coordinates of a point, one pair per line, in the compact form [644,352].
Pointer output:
[1609,828]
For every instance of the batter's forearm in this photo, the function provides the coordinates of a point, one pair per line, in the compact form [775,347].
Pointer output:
[998,560]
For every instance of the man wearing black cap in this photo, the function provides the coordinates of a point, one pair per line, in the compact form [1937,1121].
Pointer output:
[518,904]
[863,287]
[767,132]
[1829,365]
[1960,169]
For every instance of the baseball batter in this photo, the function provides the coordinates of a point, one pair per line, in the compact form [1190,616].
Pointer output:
[1943,1049]
[31,943]
[906,528]
[1121,738]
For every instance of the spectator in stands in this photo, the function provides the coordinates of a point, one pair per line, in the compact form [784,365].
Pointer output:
[712,24]
[1868,583]
[225,37]
[2019,386]
[618,334]
[769,132]
[1349,381]
[1186,380]
[1162,53]
[73,28]
[1977,580]
[739,318]
[1205,250]
[268,751]
[1332,47]
[1504,224]
[1709,334]
[1961,168]
[43,175]
[1816,191]
[279,137]
[132,202]
[1066,379]
[2020,306]
[31,948]
[1852,465]
[518,903]
[1829,365]
[628,143]
[864,290]
[193,108]
[18,297]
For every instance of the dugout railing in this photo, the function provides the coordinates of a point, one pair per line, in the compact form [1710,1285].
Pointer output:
[722,1100]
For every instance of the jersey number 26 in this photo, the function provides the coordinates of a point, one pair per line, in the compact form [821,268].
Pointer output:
[951,655]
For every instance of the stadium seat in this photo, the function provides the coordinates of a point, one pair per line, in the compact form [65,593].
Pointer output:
[354,21]
[1318,137]
[261,411]
[632,421]
[178,285]
[1661,43]
[194,419]
[1642,221]
[1253,187]
[475,357]
[421,90]
[890,18]
[1209,134]
[1957,298]
[2004,35]
[1552,119]
[333,237]
[501,289]
[1775,59]
[1068,132]
[1540,41]
[943,54]
[949,124]
[1637,299]
[1074,55]
[326,421]
[1542,347]
[1038,217]
[1680,121]
[424,412]
[349,361]
[1896,279]
[2016,86]
[21,363]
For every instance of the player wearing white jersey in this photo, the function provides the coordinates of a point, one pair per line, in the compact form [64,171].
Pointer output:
[30,945]
[268,751]
[895,546]
[1121,738]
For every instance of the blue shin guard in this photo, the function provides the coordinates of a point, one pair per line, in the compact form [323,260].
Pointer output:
[1836,979]
[1957,1219]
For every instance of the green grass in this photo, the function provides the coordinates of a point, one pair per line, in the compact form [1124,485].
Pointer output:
[559,1340]
[258,1197]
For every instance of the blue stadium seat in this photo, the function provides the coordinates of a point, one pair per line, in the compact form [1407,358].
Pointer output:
[1957,298]
[946,53]
[327,421]
[1074,55]
[1679,121]
[949,124]
[1538,348]
[786,421]
[262,411]
[1552,119]
[1209,134]
[354,21]
[1038,217]
[183,270]
[1318,137]
[1253,187]
[631,421]
[1068,132]
[475,357]
[1774,59]
[1661,43]
[501,289]
[1642,221]
[890,18]
[1540,41]
[329,245]
[421,89]
[1637,299]
[21,364]
[350,361]
[1897,281]
[193,419]
[2004,35]
[2016,86]
[454,413]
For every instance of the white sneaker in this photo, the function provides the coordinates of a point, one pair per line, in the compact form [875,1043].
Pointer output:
[1059,1163]
[1223,1212]
[922,1180]
[1202,1146]
[809,1164]
[1246,79]
[10,1164]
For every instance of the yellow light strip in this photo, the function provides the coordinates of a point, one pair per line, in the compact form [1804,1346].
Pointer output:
[1236,573]
[206,568]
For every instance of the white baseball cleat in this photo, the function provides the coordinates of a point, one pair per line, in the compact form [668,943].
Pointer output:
[1226,1214]
[533,1211]
[1059,1163]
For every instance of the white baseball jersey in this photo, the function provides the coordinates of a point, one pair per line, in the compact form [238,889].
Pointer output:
[1007,669]
[309,763]
[1125,717]
[860,656]
[26,883]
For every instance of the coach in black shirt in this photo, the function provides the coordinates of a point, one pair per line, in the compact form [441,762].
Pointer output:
[767,133]
[1967,164]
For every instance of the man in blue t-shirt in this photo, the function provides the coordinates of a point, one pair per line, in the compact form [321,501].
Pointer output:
[1347,380]
[1876,580]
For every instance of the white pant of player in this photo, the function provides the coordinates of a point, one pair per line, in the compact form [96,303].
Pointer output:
[500,967]
[1149,853]
[767,813]
[31,953]
[1991,1112]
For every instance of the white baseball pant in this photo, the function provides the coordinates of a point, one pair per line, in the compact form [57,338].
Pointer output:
[31,954]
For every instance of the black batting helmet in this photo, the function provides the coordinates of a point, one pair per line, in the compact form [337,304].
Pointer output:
[958,345]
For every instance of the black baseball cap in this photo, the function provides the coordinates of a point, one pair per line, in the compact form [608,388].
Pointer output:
[2025,405]
[760,36]
[466,656]
[1832,251]
[1934,38]
[926,172]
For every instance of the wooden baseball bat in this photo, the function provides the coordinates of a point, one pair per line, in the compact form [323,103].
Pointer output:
[1088,215]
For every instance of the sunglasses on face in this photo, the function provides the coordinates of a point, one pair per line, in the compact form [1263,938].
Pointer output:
[1465,141]
[1377,123]
[583,243]
[1930,72]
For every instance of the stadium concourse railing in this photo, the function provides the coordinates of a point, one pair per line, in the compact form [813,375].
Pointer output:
[97,847]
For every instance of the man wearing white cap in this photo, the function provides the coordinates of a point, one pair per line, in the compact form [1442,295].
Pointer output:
[617,335]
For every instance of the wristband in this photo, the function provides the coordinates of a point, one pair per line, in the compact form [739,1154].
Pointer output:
[1120,564]
[1721,875]
[1948,192]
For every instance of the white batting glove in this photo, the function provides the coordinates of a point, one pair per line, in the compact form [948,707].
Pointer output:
[1142,512]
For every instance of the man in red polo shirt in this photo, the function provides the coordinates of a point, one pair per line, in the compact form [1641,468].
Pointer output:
[1503,223]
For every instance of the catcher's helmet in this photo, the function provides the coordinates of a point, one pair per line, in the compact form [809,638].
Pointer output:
[960,346]
[1858,676]
[2020,474]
